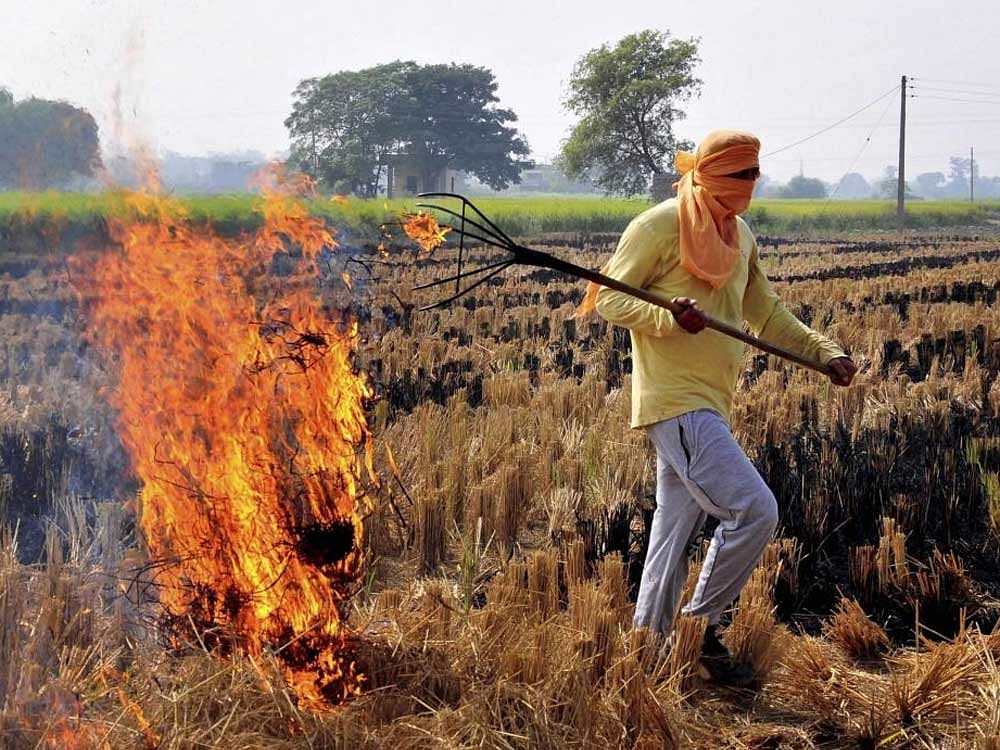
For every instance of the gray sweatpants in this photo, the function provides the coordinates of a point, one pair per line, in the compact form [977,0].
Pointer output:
[701,470]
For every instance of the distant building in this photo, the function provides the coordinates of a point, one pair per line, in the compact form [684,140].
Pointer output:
[219,173]
[409,176]
[539,179]
[534,180]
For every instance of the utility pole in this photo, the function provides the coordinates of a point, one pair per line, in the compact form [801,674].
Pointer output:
[901,188]
[972,175]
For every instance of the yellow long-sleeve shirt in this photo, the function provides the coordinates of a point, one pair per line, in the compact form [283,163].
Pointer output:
[673,371]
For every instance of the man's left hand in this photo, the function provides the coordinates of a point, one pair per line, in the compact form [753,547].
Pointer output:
[842,370]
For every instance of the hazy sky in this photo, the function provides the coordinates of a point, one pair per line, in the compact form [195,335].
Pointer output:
[199,76]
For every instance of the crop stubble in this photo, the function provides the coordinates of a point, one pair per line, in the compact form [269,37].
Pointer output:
[510,522]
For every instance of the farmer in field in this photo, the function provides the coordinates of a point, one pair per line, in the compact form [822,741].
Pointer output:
[696,250]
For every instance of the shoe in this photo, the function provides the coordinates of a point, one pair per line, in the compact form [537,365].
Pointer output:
[719,666]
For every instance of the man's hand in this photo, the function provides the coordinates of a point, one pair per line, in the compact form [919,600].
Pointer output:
[842,370]
[691,317]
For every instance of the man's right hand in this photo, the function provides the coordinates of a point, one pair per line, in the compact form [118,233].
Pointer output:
[690,317]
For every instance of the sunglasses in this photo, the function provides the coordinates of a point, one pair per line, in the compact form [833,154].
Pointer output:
[751,173]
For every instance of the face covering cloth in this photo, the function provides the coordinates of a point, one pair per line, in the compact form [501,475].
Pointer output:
[708,202]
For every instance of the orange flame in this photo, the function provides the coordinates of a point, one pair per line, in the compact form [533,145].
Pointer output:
[243,416]
[424,229]
[64,727]
[65,735]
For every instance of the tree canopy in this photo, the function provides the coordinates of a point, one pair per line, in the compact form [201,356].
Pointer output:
[44,143]
[887,187]
[804,187]
[627,98]
[345,127]
[853,185]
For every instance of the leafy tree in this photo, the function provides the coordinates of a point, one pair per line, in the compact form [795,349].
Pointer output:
[345,126]
[930,184]
[763,187]
[452,119]
[45,143]
[888,186]
[627,98]
[959,173]
[959,169]
[853,185]
[804,187]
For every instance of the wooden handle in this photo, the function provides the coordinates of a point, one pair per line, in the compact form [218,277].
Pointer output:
[538,258]
[766,346]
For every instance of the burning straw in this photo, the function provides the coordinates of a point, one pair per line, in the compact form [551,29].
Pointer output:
[424,229]
[242,414]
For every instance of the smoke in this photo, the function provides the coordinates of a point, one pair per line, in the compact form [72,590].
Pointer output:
[129,155]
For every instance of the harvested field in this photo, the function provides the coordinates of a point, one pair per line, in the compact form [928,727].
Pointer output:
[508,523]
[32,223]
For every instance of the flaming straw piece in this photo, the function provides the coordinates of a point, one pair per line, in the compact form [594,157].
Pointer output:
[243,415]
[424,229]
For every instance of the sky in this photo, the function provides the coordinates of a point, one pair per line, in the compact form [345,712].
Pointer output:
[204,76]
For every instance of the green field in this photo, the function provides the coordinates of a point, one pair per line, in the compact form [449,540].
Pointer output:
[844,215]
[31,220]
[242,211]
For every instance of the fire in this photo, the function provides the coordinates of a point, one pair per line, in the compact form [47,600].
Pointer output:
[424,229]
[152,739]
[243,416]
[60,725]
[64,735]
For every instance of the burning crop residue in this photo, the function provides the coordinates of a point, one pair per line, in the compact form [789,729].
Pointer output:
[243,416]
[424,229]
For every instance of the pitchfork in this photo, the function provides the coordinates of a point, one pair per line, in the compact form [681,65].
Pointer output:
[483,229]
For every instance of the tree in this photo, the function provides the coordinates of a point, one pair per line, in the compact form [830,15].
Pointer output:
[930,184]
[452,119]
[959,169]
[853,185]
[763,187]
[45,143]
[345,126]
[888,186]
[958,177]
[627,99]
[342,126]
[804,187]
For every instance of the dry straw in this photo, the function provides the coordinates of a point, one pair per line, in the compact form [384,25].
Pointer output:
[493,616]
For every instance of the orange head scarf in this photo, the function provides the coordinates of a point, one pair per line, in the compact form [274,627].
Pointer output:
[708,202]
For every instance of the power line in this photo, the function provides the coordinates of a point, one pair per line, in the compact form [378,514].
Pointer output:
[973,84]
[952,99]
[911,122]
[868,159]
[964,121]
[863,147]
[960,92]
[831,127]
[922,121]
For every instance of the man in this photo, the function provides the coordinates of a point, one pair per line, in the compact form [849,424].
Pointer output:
[695,250]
